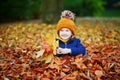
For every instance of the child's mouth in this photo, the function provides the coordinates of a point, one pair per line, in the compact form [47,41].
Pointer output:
[64,35]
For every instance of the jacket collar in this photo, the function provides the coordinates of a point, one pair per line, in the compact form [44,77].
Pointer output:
[66,41]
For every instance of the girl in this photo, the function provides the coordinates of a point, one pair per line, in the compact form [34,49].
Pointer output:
[68,43]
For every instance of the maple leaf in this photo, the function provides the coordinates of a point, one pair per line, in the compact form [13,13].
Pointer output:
[48,58]
[79,63]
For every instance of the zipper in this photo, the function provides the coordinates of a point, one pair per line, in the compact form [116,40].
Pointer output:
[65,45]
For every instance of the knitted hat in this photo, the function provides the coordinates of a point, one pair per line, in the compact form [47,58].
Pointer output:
[66,21]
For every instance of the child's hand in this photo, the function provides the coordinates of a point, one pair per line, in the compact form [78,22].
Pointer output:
[58,50]
[63,51]
[66,51]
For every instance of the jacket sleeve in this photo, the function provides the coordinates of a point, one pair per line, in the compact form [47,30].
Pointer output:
[79,49]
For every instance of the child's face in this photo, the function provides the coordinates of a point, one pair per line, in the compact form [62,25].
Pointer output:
[65,33]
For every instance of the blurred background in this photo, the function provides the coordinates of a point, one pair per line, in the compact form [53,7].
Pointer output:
[49,11]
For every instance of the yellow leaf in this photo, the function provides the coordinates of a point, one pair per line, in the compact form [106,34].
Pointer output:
[3,45]
[40,53]
[55,45]
[50,38]
[1,39]
[48,58]
[99,78]
[22,40]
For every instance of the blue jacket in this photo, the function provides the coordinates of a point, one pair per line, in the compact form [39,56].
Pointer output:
[73,44]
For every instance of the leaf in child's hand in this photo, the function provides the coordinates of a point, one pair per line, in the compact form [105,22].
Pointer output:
[47,58]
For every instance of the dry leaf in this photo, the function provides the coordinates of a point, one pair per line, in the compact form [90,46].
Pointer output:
[48,58]
[20,41]
[99,73]
[40,53]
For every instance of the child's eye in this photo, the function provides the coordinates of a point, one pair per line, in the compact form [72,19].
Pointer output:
[61,30]
[67,30]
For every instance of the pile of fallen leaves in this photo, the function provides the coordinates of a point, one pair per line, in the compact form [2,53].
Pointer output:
[26,53]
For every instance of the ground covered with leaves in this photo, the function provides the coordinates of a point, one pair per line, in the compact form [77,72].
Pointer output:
[26,52]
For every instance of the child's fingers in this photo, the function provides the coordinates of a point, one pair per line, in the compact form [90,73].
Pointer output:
[59,50]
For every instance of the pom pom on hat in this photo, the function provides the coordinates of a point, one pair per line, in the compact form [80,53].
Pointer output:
[68,14]
[66,21]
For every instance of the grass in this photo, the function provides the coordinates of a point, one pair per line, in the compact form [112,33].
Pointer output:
[111,13]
